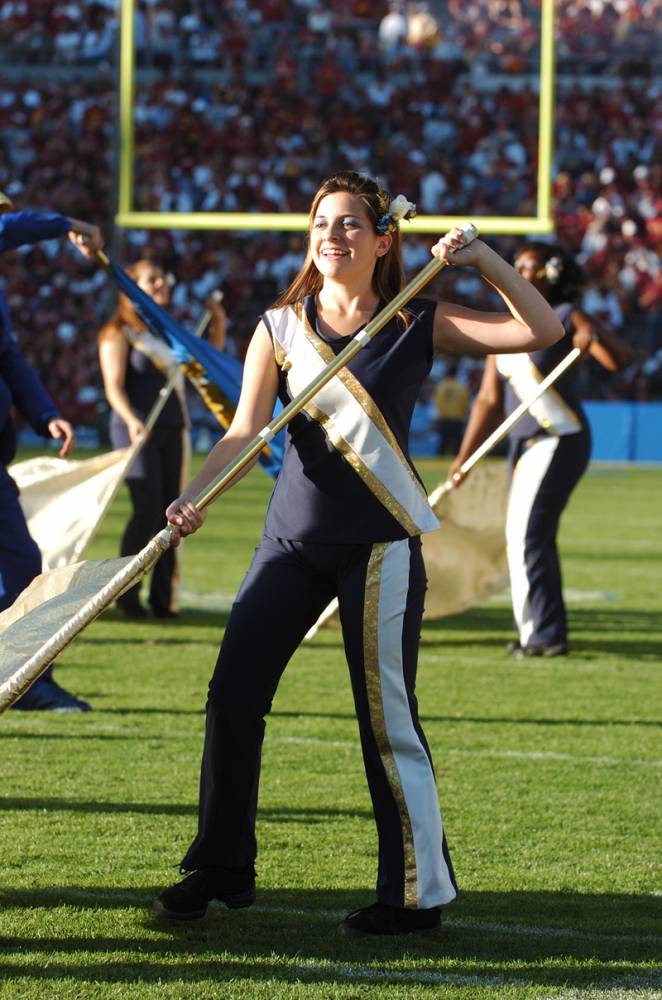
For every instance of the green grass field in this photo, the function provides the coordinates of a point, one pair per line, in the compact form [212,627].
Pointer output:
[549,777]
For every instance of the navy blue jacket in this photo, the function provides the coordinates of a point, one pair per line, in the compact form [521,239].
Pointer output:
[20,386]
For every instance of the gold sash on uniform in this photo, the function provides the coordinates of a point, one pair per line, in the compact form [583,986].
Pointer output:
[351,420]
[162,358]
[550,410]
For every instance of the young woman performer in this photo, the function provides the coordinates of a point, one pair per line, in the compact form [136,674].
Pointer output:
[549,447]
[345,519]
[135,366]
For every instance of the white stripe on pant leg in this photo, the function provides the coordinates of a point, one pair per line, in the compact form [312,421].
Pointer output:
[434,885]
[529,474]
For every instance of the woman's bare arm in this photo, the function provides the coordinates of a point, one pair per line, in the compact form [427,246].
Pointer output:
[113,359]
[595,338]
[529,325]
[254,411]
[486,414]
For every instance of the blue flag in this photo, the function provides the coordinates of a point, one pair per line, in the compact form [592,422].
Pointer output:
[222,371]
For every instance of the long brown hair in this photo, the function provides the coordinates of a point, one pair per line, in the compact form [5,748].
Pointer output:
[388,276]
[125,313]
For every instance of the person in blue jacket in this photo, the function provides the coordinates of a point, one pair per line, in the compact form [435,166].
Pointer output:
[21,390]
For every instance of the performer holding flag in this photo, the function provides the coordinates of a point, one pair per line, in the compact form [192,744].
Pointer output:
[135,366]
[345,519]
[549,447]
[20,387]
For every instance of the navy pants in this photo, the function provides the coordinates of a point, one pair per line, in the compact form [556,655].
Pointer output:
[381,589]
[20,558]
[153,482]
[545,473]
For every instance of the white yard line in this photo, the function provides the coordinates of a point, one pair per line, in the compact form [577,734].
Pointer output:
[627,988]
[76,896]
[542,755]
[484,927]
[619,988]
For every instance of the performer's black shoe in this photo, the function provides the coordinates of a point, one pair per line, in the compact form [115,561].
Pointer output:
[380,918]
[164,613]
[131,609]
[188,899]
[46,695]
[553,649]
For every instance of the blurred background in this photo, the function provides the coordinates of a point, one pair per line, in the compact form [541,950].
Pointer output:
[246,105]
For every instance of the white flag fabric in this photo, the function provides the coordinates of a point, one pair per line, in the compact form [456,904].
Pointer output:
[63,500]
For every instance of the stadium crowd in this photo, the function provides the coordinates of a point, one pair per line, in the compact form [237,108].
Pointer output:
[244,106]
[237,37]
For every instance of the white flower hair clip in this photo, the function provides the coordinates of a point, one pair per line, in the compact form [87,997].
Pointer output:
[553,269]
[399,208]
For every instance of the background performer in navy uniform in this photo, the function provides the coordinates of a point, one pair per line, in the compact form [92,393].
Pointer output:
[135,366]
[21,388]
[344,519]
[549,447]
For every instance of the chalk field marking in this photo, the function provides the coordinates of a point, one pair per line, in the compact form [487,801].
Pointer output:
[485,927]
[218,600]
[78,897]
[496,754]
[570,596]
[627,988]
[222,600]
[621,988]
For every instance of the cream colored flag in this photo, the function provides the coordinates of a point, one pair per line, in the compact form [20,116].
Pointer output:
[63,500]
[58,605]
[466,559]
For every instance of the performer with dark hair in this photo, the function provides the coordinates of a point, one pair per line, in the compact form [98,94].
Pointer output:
[345,519]
[20,387]
[549,447]
[135,366]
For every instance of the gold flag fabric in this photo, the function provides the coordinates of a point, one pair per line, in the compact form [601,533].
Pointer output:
[57,606]
[63,500]
[466,559]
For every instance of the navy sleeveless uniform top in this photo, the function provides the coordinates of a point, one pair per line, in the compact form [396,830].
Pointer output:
[318,496]
[566,386]
[142,383]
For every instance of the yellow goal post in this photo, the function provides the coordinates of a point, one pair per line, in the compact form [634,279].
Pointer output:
[127,217]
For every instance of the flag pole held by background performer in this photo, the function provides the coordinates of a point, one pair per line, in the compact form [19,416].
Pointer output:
[64,501]
[504,428]
[19,668]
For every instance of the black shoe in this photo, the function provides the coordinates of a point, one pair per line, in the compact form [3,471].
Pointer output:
[188,900]
[380,918]
[514,647]
[132,609]
[553,649]
[164,613]
[46,695]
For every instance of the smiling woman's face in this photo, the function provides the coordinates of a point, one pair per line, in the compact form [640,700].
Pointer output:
[529,264]
[343,242]
[152,280]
